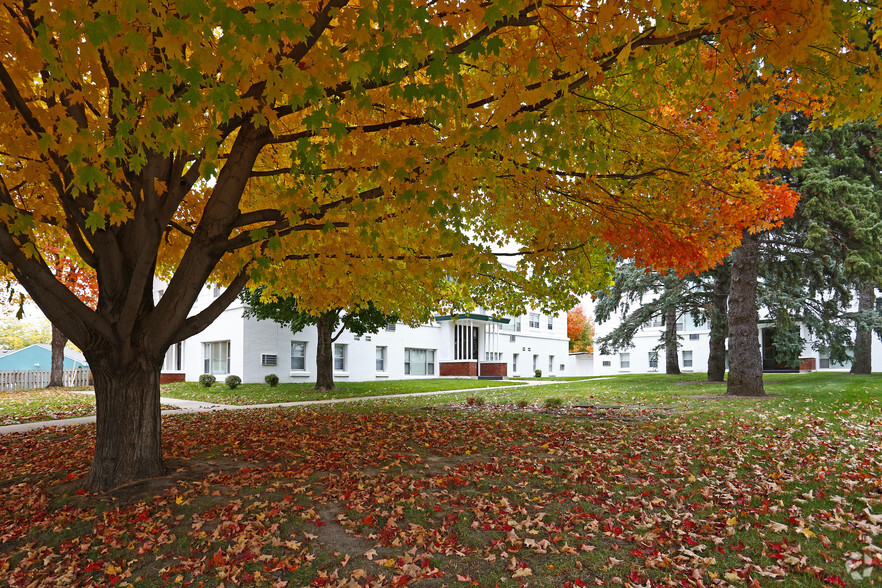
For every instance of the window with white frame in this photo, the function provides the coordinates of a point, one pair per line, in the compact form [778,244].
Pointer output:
[534,320]
[687,359]
[419,362]
[625,361]
[339,357]
[550,323]
[653,360]
[217,290]
[607,363]
[514,363]
[217,357]
[517,322]
[825,362]
[174,358]
[694,336]
[381,359]
[298,356]
[550,364]
[535,362]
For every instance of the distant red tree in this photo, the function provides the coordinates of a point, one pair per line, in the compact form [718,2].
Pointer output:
[83,282]
[580,331]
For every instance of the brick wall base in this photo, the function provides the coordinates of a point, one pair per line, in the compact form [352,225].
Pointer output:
[494,369]
[458,368]
[168,378]
[807,364]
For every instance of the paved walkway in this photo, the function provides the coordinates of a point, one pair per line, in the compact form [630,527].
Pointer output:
[192,406]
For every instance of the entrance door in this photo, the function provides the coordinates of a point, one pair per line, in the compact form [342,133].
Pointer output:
[770,362]
[465,342]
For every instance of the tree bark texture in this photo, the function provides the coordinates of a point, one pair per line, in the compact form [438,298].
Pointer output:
[324,353]
[672,361]
[863,340]
[719,325]
[128,443]
[56,371]
[745,358]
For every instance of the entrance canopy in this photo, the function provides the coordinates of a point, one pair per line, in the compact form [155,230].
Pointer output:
[474,317]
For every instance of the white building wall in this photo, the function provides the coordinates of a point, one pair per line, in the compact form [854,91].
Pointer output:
[360,358]
[695,339]
[581,364]
[251,339]
[549,346]
[229,326]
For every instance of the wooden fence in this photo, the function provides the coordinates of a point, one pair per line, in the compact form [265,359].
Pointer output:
[27,379]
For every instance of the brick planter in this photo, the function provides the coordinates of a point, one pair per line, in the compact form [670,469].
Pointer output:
[494,369]
[168,378]
[807,364]
[458,368]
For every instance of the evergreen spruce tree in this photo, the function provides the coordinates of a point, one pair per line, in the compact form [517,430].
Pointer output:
[641,295]
[835,238]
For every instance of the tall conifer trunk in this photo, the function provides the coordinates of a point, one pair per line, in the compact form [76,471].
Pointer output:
[719,324]
[56,371]
[863,340]
[324,355]
[745,359]
[672,361]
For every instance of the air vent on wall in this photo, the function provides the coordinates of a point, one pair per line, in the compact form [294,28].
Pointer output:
[269,359]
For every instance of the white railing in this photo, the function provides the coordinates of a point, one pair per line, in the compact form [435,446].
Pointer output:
[28,379]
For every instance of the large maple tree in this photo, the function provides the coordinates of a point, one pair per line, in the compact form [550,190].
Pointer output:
[221,141]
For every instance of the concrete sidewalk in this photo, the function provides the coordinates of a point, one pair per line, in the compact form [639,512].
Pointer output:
[194,406]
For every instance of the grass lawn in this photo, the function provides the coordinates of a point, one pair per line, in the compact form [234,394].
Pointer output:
[652,482]
[44,404]
[264,394]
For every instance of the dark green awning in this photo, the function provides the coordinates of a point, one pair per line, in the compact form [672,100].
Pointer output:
[474,317]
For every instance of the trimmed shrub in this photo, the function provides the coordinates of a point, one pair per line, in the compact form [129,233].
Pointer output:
[207,380]
[553,402]
[538,373]
[232,382]
[271,379]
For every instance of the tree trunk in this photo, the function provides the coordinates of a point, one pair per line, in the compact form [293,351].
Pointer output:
[863,340]
[745,358]
[324,353]
[56,372]
[128,443]
[672,362]
[719,325]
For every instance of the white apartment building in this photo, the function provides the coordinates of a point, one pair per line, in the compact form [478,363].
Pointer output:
[471,345]
[640,358]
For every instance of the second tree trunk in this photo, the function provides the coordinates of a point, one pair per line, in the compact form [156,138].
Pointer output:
[745,358]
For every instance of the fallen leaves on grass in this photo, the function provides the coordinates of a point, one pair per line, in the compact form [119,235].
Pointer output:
[336,497]
[25,406]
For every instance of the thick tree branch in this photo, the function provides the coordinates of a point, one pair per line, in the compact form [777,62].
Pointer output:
[201,320]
